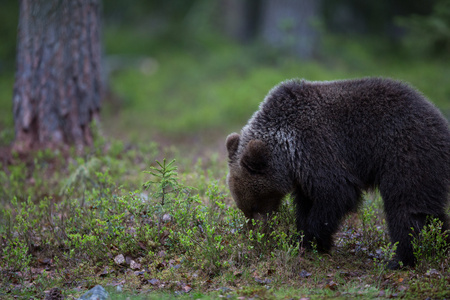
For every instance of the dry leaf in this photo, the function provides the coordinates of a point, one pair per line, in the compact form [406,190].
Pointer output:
[237,273]
[186,288]
[331,285]
[104,273]
[45,261]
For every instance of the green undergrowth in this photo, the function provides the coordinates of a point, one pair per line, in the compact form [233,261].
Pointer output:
[214,87]
[146,227]
[6,110]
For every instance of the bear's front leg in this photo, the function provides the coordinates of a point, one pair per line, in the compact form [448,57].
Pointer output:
[310,229]
[319,218]
[303,206]
[319,234]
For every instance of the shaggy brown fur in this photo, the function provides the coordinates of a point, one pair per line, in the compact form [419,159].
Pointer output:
[326,142]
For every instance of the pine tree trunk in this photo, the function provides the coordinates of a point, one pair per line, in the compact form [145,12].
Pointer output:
[57,87]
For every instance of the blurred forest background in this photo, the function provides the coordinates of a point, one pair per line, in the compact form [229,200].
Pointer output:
[195,70]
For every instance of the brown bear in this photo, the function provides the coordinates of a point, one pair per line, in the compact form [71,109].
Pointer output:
[326,142]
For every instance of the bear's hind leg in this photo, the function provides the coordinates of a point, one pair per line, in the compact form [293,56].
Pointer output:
[408,209]
[400,232]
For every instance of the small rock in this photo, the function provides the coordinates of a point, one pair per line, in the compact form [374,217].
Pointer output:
[262,281]
[166,218]
[433,273]
[96,293]
[224,289]
[304,274]
[134,265]
[153,281]
[144,197]
[45,261]
[119,259]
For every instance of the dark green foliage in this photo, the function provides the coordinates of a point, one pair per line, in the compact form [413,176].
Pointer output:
[429,35]
[370,17]
[431,245]
[9,16]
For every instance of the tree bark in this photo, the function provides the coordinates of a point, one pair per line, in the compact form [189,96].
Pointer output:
[241,18]
[288,24]
[57,88]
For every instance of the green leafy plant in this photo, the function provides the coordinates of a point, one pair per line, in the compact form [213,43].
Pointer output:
[381,262]
[16,257]
[429,34]
[373,227]
[203,229]
[431,245]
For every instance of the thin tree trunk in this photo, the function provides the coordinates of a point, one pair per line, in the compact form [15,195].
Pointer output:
[288,24]
[57,88]
[241,18]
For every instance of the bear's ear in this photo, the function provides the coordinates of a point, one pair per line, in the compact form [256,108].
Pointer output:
[232,144]
[255,157]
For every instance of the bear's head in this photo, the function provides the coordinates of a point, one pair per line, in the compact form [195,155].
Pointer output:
[252,178]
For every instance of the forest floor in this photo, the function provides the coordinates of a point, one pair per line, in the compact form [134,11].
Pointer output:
[76,222]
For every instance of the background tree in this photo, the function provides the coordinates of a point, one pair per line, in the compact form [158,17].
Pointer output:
[283,24]
[241,18]
[289,24]
[57,86]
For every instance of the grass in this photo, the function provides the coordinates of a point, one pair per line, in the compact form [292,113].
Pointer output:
[65,220]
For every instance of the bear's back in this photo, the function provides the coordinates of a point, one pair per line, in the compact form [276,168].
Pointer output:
[368,124]
[371,106]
